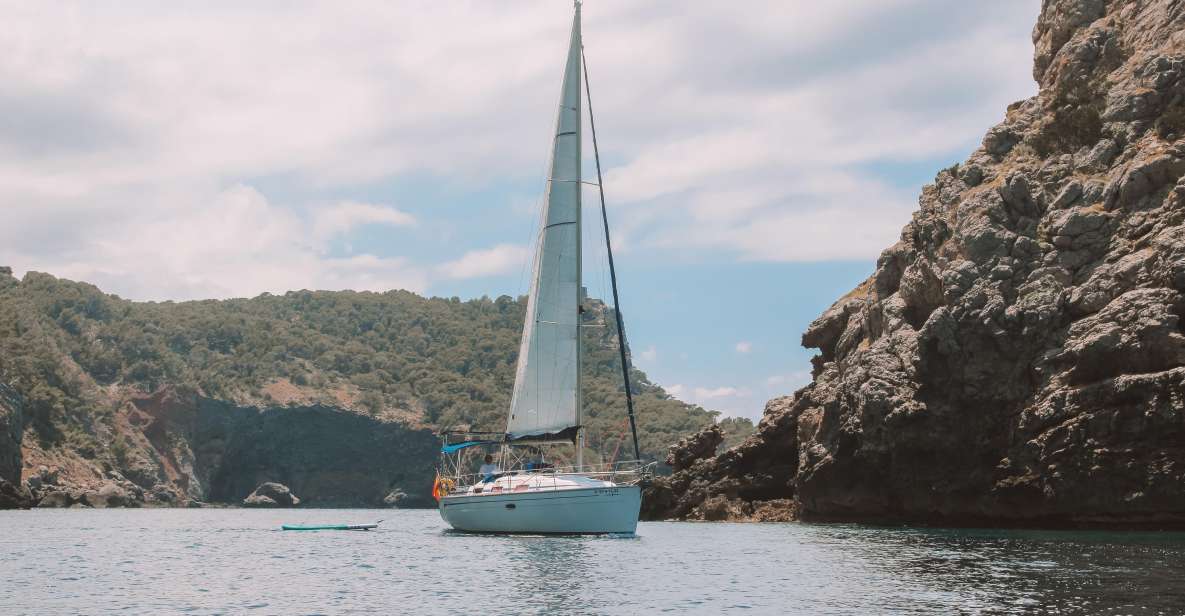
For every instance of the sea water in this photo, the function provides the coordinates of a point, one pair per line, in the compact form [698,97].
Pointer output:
[234,561]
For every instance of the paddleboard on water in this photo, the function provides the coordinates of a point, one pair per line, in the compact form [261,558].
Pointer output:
[329,526]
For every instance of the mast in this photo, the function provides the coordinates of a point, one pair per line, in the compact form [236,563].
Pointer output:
[625,365]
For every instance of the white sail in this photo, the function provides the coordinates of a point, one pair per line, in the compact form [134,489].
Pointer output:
[545,403]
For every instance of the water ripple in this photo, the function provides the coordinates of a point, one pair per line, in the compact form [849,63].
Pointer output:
[234,561]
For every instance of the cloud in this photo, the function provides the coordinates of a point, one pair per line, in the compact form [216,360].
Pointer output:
[730,400]
[234,244]
[744,346]
[794,157]
[753,135]
[650,355]
[793,380]
[500,259]
[701,395]
[704,393]
[742,399]
[342,217]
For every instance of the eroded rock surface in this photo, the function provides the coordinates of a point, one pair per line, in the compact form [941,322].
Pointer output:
[1018,357]
[176,448]
[271,494]
[13,495]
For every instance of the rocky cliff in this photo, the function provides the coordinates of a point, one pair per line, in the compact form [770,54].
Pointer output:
[12,493]
[1018,357]
[178,448]
[11,428]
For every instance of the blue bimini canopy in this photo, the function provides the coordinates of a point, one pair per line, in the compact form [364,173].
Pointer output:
[455,447]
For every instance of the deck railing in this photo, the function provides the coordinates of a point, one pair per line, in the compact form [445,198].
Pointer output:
[626,472]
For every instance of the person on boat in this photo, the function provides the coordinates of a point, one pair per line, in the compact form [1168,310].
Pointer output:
[538,465]
[489,471]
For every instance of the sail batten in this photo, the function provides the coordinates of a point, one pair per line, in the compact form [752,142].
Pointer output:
[545,404]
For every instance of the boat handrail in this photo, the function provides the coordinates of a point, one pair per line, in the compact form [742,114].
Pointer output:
[626,472]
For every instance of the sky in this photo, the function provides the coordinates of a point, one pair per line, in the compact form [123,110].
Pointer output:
[758,156]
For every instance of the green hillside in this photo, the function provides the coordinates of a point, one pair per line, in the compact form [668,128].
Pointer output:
[70,349]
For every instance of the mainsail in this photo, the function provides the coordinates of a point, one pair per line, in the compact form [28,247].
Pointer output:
[545,405]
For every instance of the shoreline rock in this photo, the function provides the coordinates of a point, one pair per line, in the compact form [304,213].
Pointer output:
[13,494]
[1018,357]
[271,494]
[177,448]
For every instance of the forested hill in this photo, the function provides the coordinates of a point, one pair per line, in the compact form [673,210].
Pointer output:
[77,355]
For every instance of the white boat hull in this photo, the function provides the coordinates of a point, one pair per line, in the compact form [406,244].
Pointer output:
[564,511]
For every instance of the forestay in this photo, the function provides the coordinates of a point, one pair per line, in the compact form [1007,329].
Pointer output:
[544,405]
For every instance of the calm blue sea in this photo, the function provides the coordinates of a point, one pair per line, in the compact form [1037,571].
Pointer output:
[234,561]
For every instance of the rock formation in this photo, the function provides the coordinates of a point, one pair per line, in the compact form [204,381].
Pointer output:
[182,447]
[271,494]
[177,448]
[1018,357]
[11,428]
[13,495]
[399,499]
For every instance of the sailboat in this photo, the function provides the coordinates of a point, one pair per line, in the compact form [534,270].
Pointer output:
[526,494]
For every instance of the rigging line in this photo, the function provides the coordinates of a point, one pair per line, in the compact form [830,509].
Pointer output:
[625,366]
[603,273]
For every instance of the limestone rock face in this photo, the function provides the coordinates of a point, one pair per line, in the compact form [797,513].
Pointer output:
[112,494]
[176,448]
[271,494]
[13,495]
[47,489]
[1018,357]
[186,448]
[11,427]
[702,444]
[400,499]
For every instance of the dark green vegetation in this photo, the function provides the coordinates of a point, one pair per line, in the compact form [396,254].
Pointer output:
[74,352]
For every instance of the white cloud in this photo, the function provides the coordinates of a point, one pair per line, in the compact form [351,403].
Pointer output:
[794,380]
[786,169]
[347,215]
[742,399]
[500,259]
[744,346]
[753,134]
[704,393]
[707,396]
[650,355]
[232,245]
[729,400]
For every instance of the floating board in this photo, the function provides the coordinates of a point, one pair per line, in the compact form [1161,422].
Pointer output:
[330,527]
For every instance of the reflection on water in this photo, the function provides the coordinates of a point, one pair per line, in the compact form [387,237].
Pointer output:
[544,568]
[235,561]
[1008,571]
